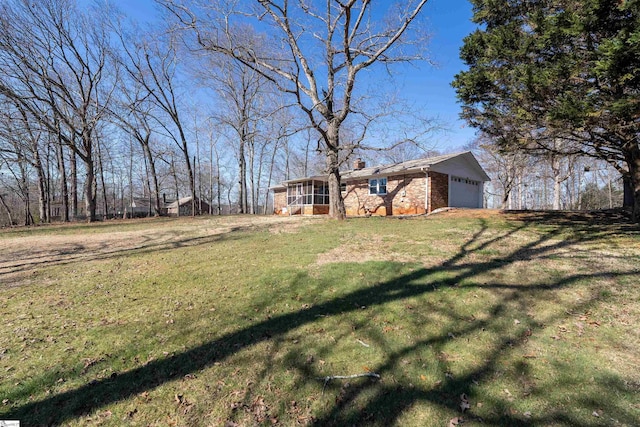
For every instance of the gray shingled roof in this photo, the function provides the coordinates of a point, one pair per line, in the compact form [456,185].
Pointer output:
[417,165]
[403,167]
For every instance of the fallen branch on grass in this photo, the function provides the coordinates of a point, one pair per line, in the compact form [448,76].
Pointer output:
[346,377]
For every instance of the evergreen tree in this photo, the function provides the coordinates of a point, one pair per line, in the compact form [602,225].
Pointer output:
[546,71]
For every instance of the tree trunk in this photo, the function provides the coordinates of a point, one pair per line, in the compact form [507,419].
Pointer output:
[251,170]
[147,183]
[219,195]
[505,198]
[192,182]
[336,203]
[74,185]
[7,210]
[24,189]
[105,214]
[42,187]
[130,208]
[154,176]
[242,178]
[211,179]
[271,164]
[557,191]
[64,191]
[175,180]
[633,163]
[89,191]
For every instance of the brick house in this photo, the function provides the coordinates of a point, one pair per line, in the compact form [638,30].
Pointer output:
[408,188]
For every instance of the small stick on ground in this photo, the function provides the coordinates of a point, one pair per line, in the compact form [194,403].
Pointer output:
[363,343]
[346,377]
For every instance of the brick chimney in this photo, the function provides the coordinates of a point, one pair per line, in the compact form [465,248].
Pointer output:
[358,164]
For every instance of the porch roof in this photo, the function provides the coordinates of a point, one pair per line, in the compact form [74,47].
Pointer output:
[322,178]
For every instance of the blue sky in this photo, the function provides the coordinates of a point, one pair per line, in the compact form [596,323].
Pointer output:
[427,86]
[450,22]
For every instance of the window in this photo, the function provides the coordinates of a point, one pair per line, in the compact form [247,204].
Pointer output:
[343,187]
[465,181]
[321,194]
[378,186]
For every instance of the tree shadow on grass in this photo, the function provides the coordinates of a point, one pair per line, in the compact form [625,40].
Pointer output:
[386,401]
[389,401]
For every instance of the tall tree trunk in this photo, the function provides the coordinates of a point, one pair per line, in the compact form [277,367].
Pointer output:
[633,163]
[146,186]
[24,190]
[336,202]
[50,188]
[175,180]
[74,184]
[105,214]
[196,206]
[557,191]
[251,170]
[219,194]
[270,177]
[90,190]
[211,179]
[154,176]
[505,199]
[64,191]
[42,186]
[198,175]
[522,203]
[242,177]
[191,177]
[229,189]
[7,210]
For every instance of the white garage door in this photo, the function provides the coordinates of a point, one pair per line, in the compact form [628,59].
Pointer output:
[464,193]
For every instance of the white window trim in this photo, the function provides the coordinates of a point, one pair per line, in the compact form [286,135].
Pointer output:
[377,193]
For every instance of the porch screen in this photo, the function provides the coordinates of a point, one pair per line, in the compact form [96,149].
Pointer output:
[308,193]
[321,194]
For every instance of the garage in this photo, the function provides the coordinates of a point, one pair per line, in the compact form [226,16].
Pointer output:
[465,193]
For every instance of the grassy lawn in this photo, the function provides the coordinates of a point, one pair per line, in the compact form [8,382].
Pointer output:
[496,319]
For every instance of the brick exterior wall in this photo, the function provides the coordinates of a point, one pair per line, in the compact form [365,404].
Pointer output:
[279,201]
[405,196]
[438,191]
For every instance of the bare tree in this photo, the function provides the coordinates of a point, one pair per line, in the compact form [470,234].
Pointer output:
[239,88]
[54,62]
[23,141]
[152,63]
[133,112]
[324,49]
[505,169]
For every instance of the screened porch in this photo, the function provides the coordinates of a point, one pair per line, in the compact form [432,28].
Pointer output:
[310,197]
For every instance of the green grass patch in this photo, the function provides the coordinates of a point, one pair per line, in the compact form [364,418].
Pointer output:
[498,319]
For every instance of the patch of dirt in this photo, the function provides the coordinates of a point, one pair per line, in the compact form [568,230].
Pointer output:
[467,213]
[374,249]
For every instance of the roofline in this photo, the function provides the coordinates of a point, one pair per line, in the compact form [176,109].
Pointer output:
[415,169]
[323,178]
